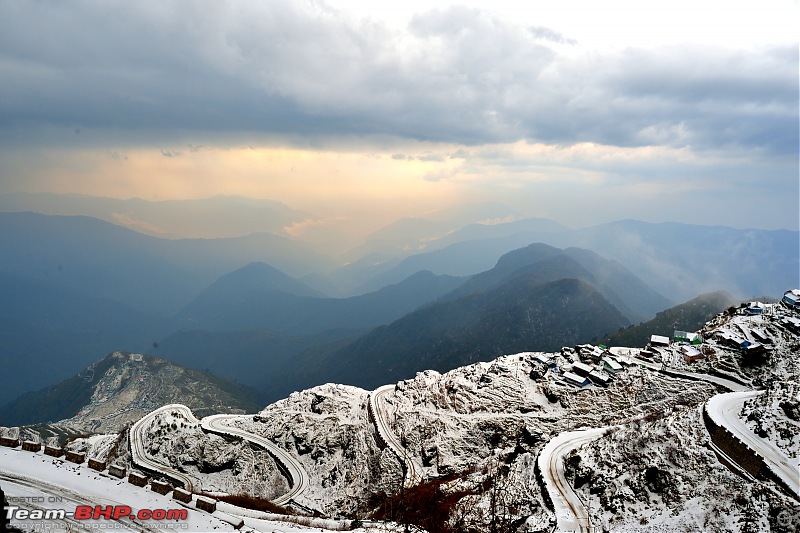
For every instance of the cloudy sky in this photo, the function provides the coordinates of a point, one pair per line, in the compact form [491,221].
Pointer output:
[576,110]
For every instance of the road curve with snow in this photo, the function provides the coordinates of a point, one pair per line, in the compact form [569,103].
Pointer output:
[380,418]
[724,410]
[570,511]
[298,478]
[137,443]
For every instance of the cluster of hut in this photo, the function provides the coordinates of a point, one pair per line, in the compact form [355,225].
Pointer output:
[134,478]
[596,365]
[754,342]
[689,346]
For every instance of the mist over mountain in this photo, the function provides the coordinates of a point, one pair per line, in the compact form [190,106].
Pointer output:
[79,286]
[681,260]
[94,258]
[48,332]
[260,358]
[284,349]
[233,297]
[121,387]
[282,202]
[522,314]
[283,327]
[285,305]
[214,217]
[105,260]
[629,294]
[685,260]
[413,234]
[688,316]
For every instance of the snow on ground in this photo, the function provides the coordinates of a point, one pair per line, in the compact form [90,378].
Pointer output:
[662,476]
[776,416]
[94,488]
[219,465]
[486,421]
[725,410]
[99,447]
[21,474]
[449,420]
[328,429]
[479,429]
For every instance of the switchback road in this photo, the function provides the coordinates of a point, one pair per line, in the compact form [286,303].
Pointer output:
[298,478]
[380,418]
[138,442]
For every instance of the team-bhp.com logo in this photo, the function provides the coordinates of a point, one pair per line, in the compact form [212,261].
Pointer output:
[95,512]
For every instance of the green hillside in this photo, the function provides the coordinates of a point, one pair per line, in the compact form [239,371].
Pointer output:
[688,316]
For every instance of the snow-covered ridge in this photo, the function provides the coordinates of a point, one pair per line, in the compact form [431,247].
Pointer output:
[138,441]
[298,478]
[484,428]
[725,409]
[380,417]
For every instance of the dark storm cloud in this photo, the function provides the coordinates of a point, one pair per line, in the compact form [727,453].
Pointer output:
[298,68]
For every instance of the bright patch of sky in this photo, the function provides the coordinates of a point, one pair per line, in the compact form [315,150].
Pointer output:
[364,112]
[619,23]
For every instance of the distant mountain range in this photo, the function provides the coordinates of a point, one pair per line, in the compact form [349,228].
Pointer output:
[254,308]
[679,260]
[119,389]
[261,297]
[103,260]
[215,217]
[521,314]
[537,297]
[631,296]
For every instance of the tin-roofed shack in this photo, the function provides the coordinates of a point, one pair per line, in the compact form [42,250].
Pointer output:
[611,365]
[691,354]
[599,378]
[574,379]
[659,340]
[791,298]
[581,369]
[753,308]
[588,352]
[687,336]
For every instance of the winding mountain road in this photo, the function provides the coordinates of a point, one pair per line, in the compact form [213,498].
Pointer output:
[136,437]
[571,513]
[380,418]
[298,478]
[724,410]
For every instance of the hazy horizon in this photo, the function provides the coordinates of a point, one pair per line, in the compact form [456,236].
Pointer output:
[359,115]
